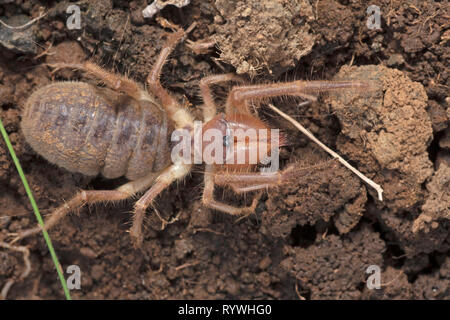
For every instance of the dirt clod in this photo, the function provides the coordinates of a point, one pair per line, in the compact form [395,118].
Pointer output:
[277,34]
[387,130]
[437,206]
[312,197]
[323,268]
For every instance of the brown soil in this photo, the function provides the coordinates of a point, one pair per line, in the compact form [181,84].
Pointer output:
[312,238]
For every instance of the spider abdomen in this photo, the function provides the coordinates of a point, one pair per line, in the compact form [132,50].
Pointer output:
[91,130]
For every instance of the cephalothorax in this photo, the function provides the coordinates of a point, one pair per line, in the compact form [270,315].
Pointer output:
[123,130]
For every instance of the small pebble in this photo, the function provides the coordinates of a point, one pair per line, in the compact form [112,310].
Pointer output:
[395,60]
[88,252]
[265,263]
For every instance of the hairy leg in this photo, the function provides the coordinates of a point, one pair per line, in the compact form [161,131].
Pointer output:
[89,197]
[240,95]
[209,108]
[114,81]
[250,181]
[180,116]
[169,175]
[209,201]
[201,46]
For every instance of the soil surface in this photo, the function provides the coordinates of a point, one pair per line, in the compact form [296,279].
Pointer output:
[311,238]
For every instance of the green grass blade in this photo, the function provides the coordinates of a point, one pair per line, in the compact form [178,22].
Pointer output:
[36,211]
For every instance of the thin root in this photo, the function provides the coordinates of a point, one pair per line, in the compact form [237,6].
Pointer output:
[26,259]
[165,222]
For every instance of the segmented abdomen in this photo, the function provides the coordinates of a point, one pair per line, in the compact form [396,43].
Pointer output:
[82,129]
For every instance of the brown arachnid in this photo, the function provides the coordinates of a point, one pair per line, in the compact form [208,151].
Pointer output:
[126,131]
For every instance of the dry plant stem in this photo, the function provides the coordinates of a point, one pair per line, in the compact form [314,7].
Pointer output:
[377,187]
[26,258]
[22,27]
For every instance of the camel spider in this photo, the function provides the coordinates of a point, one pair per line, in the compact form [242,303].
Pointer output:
[125,130]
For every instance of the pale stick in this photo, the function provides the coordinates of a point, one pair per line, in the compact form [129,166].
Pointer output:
[377,187]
